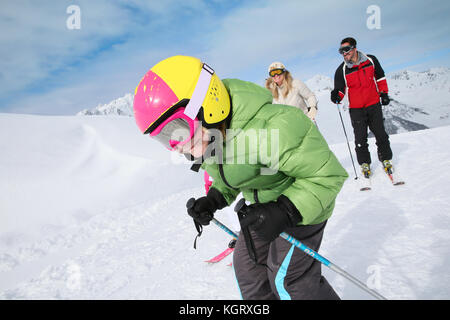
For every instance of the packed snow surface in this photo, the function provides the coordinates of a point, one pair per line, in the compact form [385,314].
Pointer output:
[92,209]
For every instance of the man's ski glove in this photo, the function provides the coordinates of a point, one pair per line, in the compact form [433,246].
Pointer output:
[384,98]
[335,97]
[269,219]
[202,209]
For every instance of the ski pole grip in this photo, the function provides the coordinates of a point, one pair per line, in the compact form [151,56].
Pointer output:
[240,205]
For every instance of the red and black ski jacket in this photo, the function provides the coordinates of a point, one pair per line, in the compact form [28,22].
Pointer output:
[363,82]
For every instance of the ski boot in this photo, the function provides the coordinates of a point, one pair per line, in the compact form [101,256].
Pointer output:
[387,165]
[365,169]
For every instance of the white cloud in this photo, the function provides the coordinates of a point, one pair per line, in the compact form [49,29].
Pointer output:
[119,40]
[35,42]
[110,78]
[303,33]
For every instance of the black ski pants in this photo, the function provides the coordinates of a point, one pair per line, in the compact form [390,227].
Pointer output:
[372,118]
[283,271]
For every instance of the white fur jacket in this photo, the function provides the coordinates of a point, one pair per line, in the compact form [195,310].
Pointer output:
[300,96]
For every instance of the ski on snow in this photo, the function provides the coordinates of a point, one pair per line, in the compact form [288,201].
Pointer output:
[394,181]
[367,181]
[366,184]
[220,256]
[223,254]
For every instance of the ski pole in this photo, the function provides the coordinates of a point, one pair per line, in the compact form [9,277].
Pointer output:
[348,144]
[224,228]
[331,265]
[241,206]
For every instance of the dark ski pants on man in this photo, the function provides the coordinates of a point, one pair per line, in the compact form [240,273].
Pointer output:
[372,118]
[283,271]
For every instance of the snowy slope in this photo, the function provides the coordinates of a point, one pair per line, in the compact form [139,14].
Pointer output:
[91,209]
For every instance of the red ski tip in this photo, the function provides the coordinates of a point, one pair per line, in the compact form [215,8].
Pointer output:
[220,256]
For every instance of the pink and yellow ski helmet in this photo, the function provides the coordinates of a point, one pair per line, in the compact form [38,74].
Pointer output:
[179,82]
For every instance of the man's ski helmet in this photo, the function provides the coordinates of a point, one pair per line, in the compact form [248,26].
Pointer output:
[180,87]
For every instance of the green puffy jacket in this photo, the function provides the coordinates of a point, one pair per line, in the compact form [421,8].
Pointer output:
[275,149]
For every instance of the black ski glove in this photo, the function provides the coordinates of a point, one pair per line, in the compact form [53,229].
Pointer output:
[335,97]
[202,210]
[384,98]
[268,220]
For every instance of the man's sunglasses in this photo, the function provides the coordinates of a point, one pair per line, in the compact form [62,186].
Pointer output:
[345,49]
[275,72]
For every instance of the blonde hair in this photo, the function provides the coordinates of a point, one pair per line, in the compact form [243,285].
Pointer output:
[272,86]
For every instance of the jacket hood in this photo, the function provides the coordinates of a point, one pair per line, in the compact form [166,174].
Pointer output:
[361,58]
[247,99]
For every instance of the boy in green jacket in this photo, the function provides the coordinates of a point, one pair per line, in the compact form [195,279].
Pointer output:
[273,154]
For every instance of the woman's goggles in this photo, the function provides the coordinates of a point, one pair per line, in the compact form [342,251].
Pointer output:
[275,72]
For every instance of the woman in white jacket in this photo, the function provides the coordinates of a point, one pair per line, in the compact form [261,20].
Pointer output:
[289,91]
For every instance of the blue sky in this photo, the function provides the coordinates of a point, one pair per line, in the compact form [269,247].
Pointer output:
[46,68]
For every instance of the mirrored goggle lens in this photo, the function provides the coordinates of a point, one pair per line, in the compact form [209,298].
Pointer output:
[345,49]
[176,132]
[275,72]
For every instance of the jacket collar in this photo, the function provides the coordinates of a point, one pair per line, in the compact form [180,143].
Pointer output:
[361,58]
[246,99]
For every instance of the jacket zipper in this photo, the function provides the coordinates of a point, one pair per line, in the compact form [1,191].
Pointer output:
[222,175]
[255,195]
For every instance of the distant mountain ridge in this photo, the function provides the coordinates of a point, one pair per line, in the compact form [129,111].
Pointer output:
[419,100]
[121,107]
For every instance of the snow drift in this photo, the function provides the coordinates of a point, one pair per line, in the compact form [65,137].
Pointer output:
[92,209]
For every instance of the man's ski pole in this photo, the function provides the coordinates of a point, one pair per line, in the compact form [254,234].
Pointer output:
[348,144]
[241,206]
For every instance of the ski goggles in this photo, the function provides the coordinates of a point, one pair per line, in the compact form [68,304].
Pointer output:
[345,49]
[275,72]
[176,131]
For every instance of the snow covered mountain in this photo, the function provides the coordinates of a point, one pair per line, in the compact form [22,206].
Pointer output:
[92,209]
[320,83]
[120,107]
[419,100]
[423,97]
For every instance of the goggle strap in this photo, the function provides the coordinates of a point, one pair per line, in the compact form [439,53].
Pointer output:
[200,91]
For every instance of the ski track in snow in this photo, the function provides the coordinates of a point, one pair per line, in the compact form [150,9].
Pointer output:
[401,231]
[395,237]
[126,254]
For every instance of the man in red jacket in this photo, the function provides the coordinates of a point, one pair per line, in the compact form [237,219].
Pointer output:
[362,78]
